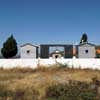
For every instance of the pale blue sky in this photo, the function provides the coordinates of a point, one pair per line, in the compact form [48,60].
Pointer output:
[49,21]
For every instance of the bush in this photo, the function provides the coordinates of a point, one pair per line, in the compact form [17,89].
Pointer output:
[4,92]
[88,95]
[25,94]
[70,92]
[19,93]
[63,92]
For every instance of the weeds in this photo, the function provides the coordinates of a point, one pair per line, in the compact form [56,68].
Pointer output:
[48,83]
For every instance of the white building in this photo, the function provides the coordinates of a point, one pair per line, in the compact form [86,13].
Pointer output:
[28,51]
[86,50]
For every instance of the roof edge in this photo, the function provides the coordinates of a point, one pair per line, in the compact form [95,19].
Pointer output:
[29,44]
[87,43]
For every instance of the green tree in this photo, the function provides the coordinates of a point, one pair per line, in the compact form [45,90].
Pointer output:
[9,47]
[84,39]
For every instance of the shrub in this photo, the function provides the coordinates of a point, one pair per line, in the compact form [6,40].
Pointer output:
[88,95]
[72,91]
[19,93]
[26,94]
[63,92]
[4,92]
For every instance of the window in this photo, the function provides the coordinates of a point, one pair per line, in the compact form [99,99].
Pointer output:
[28,51]
[56,56]
[86,51]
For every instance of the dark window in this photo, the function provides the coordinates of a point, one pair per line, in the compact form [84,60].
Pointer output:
[28,51]
[86,51]
[56,56]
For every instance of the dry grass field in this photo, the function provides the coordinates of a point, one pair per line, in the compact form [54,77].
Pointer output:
[34,83]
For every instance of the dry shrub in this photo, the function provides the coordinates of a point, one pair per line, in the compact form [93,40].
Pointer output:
[5,93]
[26,94]
[16,70]
[22,70]
[80,91]
[31,84]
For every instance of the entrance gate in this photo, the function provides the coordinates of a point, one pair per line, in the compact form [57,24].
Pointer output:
[44,50]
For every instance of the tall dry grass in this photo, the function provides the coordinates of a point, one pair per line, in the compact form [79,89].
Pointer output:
[31,84]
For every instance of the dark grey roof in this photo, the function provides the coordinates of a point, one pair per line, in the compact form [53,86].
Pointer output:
[29,44]
[86,43]
[56,45]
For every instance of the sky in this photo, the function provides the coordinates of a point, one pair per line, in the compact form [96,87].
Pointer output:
[49,21]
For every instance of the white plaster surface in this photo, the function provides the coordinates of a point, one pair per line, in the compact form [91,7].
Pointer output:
[33,63]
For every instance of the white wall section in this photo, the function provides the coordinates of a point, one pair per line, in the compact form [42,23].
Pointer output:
[33,63]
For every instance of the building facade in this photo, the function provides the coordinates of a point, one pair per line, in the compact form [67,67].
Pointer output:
[28,51]
[86,50]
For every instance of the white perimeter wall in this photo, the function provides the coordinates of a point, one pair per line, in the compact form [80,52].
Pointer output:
[33,63]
